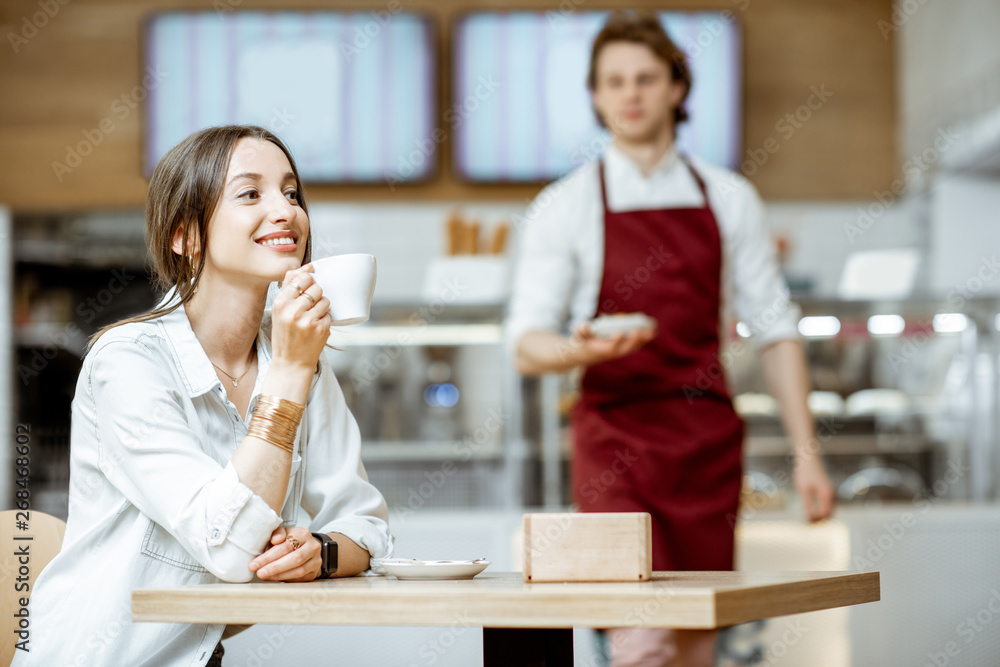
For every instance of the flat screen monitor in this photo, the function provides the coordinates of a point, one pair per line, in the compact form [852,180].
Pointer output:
[351,93]
[521,110]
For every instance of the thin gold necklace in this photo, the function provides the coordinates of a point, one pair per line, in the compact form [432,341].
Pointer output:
[236,380]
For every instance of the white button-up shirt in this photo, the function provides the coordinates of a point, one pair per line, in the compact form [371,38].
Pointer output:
[155,501]
[561,259]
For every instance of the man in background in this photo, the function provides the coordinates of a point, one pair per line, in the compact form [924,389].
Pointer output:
[648,230]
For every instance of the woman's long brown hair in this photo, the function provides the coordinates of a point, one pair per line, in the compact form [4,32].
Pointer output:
[184,191]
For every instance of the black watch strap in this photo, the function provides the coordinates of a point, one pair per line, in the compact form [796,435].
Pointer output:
[328,551]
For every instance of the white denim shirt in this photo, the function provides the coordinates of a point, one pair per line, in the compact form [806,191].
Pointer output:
[154,500]
[561,247]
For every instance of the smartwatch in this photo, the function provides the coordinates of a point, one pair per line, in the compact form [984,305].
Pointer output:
[328,551]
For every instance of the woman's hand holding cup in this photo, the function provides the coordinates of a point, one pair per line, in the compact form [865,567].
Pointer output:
[300,321]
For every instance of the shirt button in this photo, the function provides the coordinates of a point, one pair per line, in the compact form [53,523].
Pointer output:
[215,534]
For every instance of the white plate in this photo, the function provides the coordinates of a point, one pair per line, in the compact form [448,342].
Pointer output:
[413,568]
[607,326]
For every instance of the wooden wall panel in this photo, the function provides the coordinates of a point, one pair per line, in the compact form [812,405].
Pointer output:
[63,80]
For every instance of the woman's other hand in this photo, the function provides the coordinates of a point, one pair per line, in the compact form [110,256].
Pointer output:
[282,561]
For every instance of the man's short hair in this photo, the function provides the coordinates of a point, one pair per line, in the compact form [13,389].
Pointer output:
[642,27]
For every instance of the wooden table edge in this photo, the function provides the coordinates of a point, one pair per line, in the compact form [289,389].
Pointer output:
[733,606]
[706,607]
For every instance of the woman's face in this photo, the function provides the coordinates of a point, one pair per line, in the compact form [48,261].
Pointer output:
[258,229]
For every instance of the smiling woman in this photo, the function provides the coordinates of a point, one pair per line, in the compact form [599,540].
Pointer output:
[210,440]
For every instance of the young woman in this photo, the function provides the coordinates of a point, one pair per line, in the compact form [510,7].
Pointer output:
[210,439]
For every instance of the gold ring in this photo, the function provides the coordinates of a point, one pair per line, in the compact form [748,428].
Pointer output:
[296,286]
[310,297]
[295,543]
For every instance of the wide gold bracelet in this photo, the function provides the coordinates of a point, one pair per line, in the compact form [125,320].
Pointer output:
[275,421]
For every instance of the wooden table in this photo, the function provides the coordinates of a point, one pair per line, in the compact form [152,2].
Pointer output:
[524,624]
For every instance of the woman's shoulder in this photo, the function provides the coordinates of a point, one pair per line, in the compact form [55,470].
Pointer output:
[146,336]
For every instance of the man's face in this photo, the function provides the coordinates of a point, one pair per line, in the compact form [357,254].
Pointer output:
[633,91]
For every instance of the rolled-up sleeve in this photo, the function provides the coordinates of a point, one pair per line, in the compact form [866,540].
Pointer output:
[545,270]
[152,453]
[337,494]
[761,299]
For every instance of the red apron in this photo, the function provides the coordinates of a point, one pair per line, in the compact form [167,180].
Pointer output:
[655,431]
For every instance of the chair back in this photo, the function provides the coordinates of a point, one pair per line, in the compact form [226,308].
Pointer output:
[38,536]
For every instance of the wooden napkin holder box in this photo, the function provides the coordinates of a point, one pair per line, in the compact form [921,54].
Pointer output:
[599,546]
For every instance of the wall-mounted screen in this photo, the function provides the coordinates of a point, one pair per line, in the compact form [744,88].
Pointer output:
[522,112]
[351,93]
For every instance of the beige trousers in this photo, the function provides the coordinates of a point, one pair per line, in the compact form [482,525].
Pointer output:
[661,647]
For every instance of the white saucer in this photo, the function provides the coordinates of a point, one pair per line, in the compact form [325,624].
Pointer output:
[607,326]
[413,568]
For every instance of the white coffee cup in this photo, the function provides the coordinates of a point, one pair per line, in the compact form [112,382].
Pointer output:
[348,281]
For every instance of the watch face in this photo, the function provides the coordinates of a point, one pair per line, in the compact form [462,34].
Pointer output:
[330,563]
[328,552]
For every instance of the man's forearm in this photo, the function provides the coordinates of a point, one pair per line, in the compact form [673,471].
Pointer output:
[547,352]
[787,378]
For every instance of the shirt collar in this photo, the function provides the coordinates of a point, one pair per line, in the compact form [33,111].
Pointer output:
[195,366]
[619,162]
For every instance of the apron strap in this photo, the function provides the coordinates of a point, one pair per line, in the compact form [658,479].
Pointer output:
[697,178]
[604,195]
